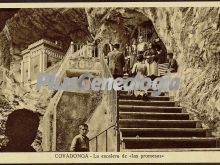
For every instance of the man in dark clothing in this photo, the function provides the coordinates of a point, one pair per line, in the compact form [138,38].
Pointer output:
[106,49]
[80,142]
[116,61]
[172,63]
[161,50]
[21,130]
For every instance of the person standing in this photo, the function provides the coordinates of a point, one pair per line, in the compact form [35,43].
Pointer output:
[127,55]
[151,57]
[133,55]
[80,142]
[106,48]
[172,63]
[142,46]
[116,61]
[161,50]
[140,67]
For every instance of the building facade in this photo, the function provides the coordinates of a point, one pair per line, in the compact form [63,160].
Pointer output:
[39,57]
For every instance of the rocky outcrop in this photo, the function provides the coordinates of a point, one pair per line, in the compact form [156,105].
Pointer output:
[14,96]
[114,24]
[6,14]
[193,35]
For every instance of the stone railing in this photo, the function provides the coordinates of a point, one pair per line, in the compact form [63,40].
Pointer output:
[87,50]
[65,63]
[49,124]
[111,99]
[49,119]
[53,68]
[111,94]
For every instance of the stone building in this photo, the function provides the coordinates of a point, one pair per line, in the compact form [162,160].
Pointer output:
[39,57]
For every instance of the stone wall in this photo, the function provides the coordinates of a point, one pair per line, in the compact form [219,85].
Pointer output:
[101,120]
[35,66]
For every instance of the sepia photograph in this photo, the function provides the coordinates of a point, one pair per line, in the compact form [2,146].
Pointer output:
[110,79]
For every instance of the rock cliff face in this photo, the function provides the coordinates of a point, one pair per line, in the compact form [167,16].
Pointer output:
[6,14]
[13,96]
[192,34]
[30,25]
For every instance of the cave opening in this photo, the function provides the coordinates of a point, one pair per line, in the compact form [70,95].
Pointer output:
[149,35]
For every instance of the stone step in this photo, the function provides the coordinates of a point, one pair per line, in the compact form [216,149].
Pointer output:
[155,109]
[163,132]
[143,123]
[153,76]
[170,150]
[146,103]
[149,92]
[168,142]
[155,98]
[154,116]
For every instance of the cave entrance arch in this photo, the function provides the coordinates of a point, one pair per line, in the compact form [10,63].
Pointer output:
[145,29]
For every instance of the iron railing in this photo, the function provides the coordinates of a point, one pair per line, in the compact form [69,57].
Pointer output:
[106,138]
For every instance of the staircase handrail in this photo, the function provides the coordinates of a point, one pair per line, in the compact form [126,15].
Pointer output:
[113,96]
[65,61]
[51,108]
[102,132]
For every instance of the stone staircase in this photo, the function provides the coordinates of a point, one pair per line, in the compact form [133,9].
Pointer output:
[158,124]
